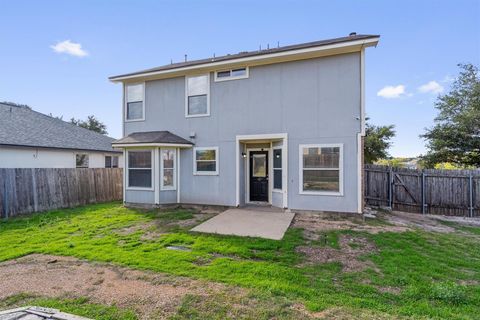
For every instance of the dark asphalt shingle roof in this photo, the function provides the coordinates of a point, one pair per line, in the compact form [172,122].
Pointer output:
[250,54]
[152,137]
[21,126]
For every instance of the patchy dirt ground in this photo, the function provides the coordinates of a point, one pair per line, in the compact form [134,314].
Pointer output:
[351,248]
[414,220]
[396,221]
[151,295]
[314,223]
[145,292]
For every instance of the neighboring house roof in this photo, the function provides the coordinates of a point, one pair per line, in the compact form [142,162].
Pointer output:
[152,138]
[22,126]
[362,39]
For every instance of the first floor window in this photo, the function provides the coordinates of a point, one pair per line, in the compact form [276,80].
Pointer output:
[81,160]
[140,169]
[168,168]
[321,169]
[277,169]
[205,161]
[111,161]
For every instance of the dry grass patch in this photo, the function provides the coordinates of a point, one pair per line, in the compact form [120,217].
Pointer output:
[351,248]
[145,292]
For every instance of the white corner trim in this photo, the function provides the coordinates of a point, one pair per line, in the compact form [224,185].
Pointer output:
[237,172]
[208,96]
[340,168]
[125,88]
[359,173]
[285,171]
[205,173]
[245,76]
[156,162]
[178,175]
[124,173]
[362,92]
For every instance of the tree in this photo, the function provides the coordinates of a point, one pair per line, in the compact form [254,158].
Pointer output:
[17,104]
[91,123]
[377,142]
[455,136]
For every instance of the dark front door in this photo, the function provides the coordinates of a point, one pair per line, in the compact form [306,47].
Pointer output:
[259,176]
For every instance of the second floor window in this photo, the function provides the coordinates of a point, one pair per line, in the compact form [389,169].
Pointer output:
[197,96]
[134,102]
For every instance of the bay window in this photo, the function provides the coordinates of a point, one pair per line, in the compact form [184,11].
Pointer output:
[168,160]
[140,169]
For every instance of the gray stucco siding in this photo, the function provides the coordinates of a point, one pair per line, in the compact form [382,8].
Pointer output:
[139,196]
[314,101]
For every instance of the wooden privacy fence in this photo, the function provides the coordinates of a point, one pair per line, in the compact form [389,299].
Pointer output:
[31,190]
[446,192]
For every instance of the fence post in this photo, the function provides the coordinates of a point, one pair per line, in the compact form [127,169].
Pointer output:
[470,194]
[390,187]
[423,192]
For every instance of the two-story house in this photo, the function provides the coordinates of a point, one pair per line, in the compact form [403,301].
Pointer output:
[281,126]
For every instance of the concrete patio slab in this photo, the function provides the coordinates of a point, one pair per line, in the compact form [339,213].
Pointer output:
[249,222]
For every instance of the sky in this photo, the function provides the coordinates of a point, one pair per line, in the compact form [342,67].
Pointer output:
[56,56]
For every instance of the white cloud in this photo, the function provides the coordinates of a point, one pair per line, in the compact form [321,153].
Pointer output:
[71,48]
[431,87]
[448,78]
[392,92]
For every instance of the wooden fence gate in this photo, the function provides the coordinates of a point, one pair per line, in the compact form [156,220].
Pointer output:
[39,189]
[447,192]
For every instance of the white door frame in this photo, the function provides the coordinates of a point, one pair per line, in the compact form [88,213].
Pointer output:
[247,173]
[251,138]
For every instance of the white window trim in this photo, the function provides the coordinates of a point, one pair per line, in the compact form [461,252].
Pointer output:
[273,169]
[208,96]
[340,168]
[125,88]
[245,76]
[152,188]
[162,186]
[205,173]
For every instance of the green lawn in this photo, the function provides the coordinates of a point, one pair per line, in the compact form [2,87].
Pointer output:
[417,274]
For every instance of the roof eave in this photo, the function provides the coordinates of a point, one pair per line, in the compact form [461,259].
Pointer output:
[269,58]
[150,144]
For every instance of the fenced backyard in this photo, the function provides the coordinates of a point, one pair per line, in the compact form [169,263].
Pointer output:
[429,191]
[28,190]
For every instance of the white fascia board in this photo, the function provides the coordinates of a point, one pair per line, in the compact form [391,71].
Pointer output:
[256,58]
[141,145]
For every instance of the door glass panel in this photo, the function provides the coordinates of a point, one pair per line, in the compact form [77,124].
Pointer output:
[259,166]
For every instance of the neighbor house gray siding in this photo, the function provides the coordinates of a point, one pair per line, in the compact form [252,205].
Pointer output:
[314,101]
